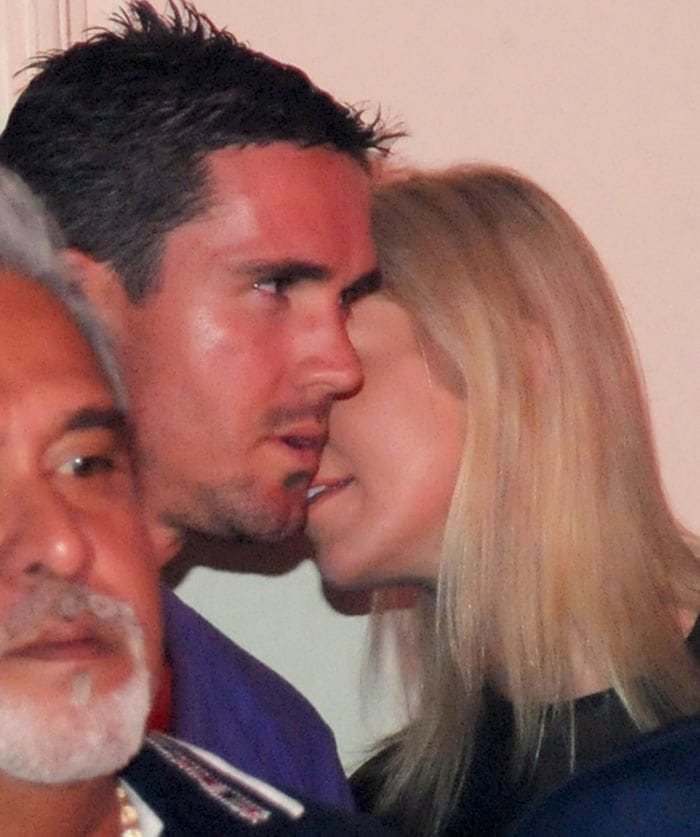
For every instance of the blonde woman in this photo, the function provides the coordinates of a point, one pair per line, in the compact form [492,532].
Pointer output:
[499,457]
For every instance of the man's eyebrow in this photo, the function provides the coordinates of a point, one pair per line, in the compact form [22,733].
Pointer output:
[287,272]
[104,418]
[364,286]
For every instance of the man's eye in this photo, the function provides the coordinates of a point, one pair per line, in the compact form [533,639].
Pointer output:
[88,466]
[269,286]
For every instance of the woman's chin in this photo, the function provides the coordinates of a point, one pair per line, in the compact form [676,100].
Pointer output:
[341,578]
[341,571]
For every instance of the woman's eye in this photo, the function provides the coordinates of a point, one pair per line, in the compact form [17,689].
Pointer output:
[88,466]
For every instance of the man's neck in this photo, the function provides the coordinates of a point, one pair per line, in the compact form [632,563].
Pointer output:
[90,808]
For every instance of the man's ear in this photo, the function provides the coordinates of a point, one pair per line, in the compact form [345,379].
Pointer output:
[167,542]
[102,286]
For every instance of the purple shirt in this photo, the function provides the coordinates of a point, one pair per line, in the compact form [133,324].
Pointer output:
[227,702]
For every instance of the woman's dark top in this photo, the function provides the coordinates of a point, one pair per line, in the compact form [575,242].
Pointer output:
[491,800]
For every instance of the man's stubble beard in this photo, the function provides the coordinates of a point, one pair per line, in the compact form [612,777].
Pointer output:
[239,509]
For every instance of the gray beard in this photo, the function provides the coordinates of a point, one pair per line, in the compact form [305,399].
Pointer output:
[86,735]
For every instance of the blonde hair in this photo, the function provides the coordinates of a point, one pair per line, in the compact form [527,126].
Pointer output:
[559,541]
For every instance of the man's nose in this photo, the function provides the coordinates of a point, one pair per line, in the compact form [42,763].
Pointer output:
[44,532]
[328,358]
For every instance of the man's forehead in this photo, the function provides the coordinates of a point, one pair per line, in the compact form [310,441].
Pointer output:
[22,295]
[284,173]
[38,338]
[279,153]
[277,209]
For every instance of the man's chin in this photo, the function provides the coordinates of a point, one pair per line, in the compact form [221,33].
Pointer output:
[277,528]
[291,520]
[85,724]
[74,740]
[261,513]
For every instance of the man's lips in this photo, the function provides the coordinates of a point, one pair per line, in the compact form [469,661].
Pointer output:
[76,650]
[302,442]
[324,488]
[305,446]
[65,642]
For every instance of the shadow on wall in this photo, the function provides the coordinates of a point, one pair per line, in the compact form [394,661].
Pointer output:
[242,555]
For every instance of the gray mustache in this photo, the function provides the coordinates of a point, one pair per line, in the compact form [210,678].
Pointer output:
[61,600]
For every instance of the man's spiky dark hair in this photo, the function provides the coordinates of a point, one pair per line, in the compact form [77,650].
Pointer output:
[113,131]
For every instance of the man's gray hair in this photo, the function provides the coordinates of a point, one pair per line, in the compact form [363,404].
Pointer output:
[30,245]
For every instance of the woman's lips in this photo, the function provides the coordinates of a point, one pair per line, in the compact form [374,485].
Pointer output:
[323,488]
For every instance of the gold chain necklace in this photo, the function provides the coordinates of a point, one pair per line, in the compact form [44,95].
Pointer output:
[128,815]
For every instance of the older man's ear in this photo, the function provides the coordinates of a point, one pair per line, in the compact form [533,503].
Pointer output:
[167,542]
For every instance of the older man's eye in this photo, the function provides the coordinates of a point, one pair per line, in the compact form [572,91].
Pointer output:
[88,466]
[269,286]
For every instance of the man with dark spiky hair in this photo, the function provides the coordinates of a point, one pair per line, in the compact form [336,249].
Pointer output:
[79,621]
[216,208]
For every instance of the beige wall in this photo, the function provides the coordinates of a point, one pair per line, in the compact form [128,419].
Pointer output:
[598,101]
[29,27]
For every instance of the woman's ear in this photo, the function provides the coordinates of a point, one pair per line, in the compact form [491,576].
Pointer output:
[102,287]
